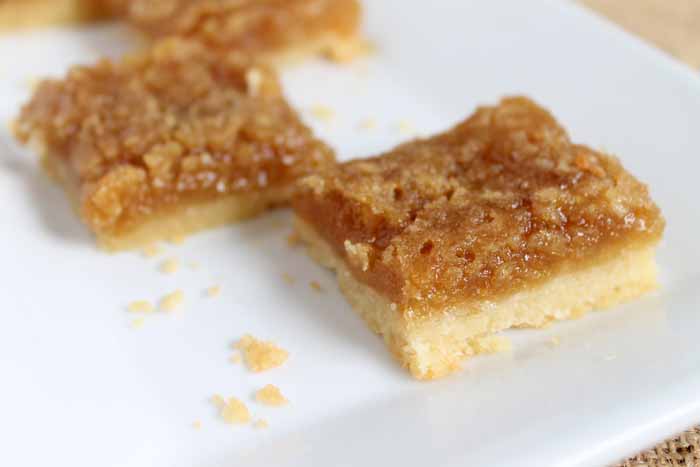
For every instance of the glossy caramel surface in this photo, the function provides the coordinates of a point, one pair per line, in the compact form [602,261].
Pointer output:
[175,123]
[502,201]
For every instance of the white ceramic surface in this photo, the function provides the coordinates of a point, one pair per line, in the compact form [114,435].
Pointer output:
[79,388]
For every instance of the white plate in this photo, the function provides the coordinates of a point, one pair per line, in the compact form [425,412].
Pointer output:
[80,388]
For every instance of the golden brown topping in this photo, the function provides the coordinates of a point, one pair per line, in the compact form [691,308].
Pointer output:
[260,355]
[175,123]
[502,200]
[271,395]
[252,26]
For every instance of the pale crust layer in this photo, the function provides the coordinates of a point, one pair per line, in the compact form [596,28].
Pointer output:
[433,345]
[190,218]
[177,221]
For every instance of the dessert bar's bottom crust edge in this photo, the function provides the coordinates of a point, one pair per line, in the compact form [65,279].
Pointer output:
[192,217]
[19,14]
[435,347]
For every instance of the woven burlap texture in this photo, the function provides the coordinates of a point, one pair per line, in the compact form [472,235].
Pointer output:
[683,451]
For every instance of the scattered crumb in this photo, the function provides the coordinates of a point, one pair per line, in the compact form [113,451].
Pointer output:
[197,425]
[288,278]
[316,286]
[323,113]
[271,395]
[368,124]
[177,239]
[293,239]
[260,424]
[235,412]
[172,301]
[194,265]
[218,401]
[214,291]
[169,266]
[235,358]
[259,355]
[405,127]
[492,344]
[609,358]
[140,306]
[149,251]
[554,341]
[137,323]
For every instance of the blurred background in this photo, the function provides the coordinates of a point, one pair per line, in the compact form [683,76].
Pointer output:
[673,25]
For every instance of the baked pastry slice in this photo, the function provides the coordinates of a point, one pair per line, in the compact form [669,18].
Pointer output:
[169,141]
[500,222]
[267,28]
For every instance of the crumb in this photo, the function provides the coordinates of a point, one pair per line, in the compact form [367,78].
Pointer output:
[323,113]
[218,401]
[172,301]
[293,239]
[259,355]
[288,278]
[316,286]
[149,251]
[271,395]
[214,291]
[368,124]
[405,127]
[169,266]
[140,306]
[235,358]
[554,341]
[260,423]
[177,239]
[609,358]
[235,412]
[194,265]
[197,425]
[138,323]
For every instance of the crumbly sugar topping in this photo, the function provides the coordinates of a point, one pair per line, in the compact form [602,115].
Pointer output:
[502,200]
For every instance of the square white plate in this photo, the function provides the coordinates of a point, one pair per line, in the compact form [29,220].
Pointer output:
[79,387]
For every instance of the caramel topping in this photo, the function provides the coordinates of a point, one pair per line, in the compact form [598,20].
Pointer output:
[499,202]
[175,123]
[247,25]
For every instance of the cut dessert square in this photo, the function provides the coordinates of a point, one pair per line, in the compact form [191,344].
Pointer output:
[269,28]
[16,14]
[500,222]
[169,141]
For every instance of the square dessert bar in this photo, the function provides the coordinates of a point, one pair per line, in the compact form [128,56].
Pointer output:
[169,141]
[501,222]
[269,28]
